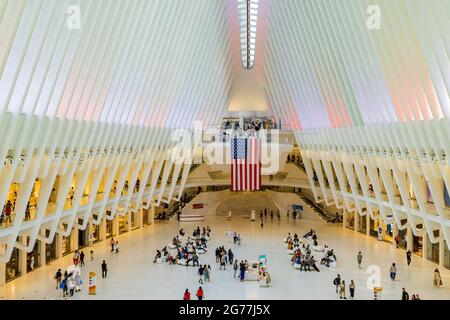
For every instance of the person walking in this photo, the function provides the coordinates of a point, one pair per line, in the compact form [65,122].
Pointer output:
[187,295]
[437,278]
[58,278]
[71,285]
[223,261]
[408,257]
[116,246]
[200,274]
[92,255]
[393,271]
[112,243]
[64,286]
[405,295]
[352,289]
[230,256]
[82,258]
[359,258]
[337,282]
[200,295]
[206,272]
[104,269]
[242,271]
[235,267]
[342,290]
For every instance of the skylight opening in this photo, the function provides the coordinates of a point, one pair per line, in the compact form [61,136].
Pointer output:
[248,14]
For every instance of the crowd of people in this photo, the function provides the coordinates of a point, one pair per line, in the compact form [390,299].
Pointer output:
[185,248]
[302,257]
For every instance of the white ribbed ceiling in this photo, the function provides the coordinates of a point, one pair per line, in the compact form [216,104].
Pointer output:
[152,63]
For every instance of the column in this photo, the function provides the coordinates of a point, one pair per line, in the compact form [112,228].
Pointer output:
[2,266]
[74,239]
[115,225]
[344,218]
[409,239]
[394,233]
[102,230]
[356,221]
[441,251]
[368,223]
[58,238]
[128,221]
[424,243]
[42,249]
[23,256]
[140,218]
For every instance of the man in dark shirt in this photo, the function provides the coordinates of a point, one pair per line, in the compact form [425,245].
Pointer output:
[104,269]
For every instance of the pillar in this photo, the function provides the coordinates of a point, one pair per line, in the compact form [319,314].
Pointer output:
[409,239]
[344,218]
[356,220]
[102,230]
[128,221]
[58,238]
[42,248]
[140,218]
[424,243]
[74,239]
[23,256]
[151,214]
[2,266]
[115,225]
[442,251]
[394,233]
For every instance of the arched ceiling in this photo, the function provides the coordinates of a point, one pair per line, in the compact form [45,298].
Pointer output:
[169,62]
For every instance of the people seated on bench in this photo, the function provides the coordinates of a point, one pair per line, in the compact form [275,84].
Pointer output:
[182,233]
[309,262]
[290,245]
[314,236]
[329,258]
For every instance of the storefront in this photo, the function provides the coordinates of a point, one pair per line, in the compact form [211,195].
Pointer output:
[362,224]
[50,249]
[95,232]
[12,267]
[34,257]
[145,213]
[402,240]
[381,230]
[350,221]
[83,236]
[417,245]
[109,228]
[66,248]
[446,255]
[134,220]
[123,223]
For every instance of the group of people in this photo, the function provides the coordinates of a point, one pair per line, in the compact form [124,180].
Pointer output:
[69,282]
[200,294]
[295,214]
[263,215]
[187,250]
[114,245]
[340,287]
[223,257]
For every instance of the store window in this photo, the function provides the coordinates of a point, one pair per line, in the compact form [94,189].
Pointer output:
[34,257]
[12,267]
[350,223]
[145,215]
[65,245]
[134,220]
[362,224]
[95,232]
[109,228]
[417,245]
[50,249]
[123,224]
[83,236]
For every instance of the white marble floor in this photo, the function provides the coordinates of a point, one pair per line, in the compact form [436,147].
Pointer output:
[132,275]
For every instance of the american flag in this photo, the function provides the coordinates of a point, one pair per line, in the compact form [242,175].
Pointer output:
[246,163]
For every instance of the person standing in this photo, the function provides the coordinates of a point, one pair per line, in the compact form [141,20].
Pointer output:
[223,261]
[206,271]
[187,295]
[408,257]
[242,271]
[337,282]
[352,289]
[81,258]
[31,263]
[65,287]
[359,258]
[342,290]
[104,269]
[235,267]
[111,243]
[116,246]
[393,271]
[200,295]
[230,256]
[437,278]
[405,295]
[71,285]
[58,278]
[92,255]
[200,274]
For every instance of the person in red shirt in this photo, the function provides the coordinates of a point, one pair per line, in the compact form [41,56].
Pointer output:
[200,294]
[187,295]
